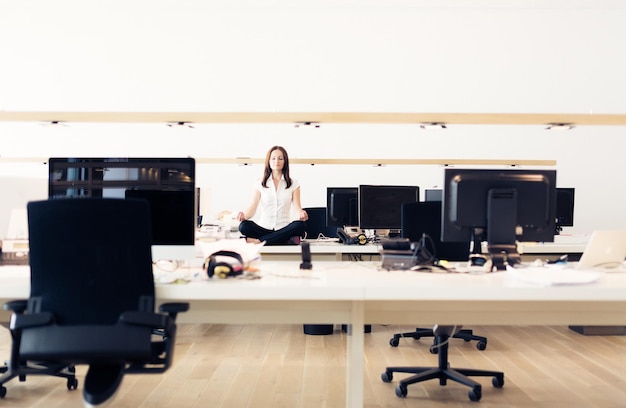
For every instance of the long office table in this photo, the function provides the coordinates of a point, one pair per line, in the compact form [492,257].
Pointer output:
[356,293]
[323,250]
[328,250]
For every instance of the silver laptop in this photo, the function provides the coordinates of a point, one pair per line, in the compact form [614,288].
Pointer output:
[605,250]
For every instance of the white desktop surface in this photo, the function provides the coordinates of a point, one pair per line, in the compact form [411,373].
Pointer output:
[551,248]
[323,247]
[563,244]
[358,292]
[560,246]
[365,281]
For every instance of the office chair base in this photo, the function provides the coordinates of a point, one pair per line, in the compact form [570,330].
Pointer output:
[458,375]
[32,368]
[464,334]
[443,372]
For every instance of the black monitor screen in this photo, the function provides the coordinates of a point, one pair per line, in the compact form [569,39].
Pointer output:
[169,212]
[342,207]
[565,207]
[380,205]
[168,184]
[510,205]
[425,218]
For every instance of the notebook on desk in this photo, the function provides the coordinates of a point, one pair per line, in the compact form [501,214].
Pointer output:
[605,250]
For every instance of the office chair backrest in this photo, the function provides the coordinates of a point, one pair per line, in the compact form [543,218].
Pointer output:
[425,218]
[85,253]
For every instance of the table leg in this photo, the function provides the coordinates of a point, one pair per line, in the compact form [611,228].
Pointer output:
[355,356]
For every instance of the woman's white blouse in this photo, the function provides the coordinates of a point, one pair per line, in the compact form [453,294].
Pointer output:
[276,203]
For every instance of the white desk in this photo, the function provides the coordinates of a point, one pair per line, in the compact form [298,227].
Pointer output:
[335,251]
[321,251]
[356,293]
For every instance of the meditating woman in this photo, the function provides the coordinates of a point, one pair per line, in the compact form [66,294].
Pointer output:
[277,193]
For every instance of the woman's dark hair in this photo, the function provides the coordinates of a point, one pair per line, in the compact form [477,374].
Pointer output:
[268,171]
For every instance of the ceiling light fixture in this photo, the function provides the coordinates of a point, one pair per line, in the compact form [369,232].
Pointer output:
[307,124]
[186,125]
[433,125]
[560,126]
[54,123]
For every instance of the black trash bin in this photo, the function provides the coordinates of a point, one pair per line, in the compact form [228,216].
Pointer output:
[319,329]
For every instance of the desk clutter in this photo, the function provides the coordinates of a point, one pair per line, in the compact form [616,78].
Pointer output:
[14,252]
[402,254]
[221,259]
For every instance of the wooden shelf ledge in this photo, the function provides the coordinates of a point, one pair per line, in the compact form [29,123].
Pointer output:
[322,161]
[318,117]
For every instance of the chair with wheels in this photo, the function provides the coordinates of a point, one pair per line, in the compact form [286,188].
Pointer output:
[464,334]
[443,371]
[417,219]
[92,297]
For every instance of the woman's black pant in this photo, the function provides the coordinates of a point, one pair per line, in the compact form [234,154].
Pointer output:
[251,229]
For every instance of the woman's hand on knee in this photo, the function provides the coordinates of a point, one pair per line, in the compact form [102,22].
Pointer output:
[303,215]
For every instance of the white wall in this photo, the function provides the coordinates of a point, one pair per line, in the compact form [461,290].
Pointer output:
[414,56]
[303,55]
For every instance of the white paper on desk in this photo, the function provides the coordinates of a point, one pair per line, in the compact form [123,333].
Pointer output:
[551,276]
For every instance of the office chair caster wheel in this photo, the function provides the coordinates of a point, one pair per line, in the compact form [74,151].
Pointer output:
[394,342]
[3,391]
[475,394]
[72,384]
[401,391]
[498,382]
[387,376]
[481,345]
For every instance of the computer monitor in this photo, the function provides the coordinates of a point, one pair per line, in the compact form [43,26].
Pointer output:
[564,208]
[421,218]
[168,184]
[316,227]
[432,194]
[342,206]
[380,206]
[509,205]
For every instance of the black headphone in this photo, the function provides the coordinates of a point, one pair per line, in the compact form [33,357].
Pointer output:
[360,239]
[223,269]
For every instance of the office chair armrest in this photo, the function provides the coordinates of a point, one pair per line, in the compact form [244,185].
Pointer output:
[16,306]
[147,319]
[174,308]
[23,321]
[162,320]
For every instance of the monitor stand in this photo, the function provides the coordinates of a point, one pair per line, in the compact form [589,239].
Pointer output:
[504,254]
[501,227]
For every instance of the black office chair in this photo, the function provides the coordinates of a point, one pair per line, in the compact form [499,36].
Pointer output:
[417,219]
[443,371]
[92,297]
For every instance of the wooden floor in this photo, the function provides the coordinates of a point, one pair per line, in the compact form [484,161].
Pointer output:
[274,366]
